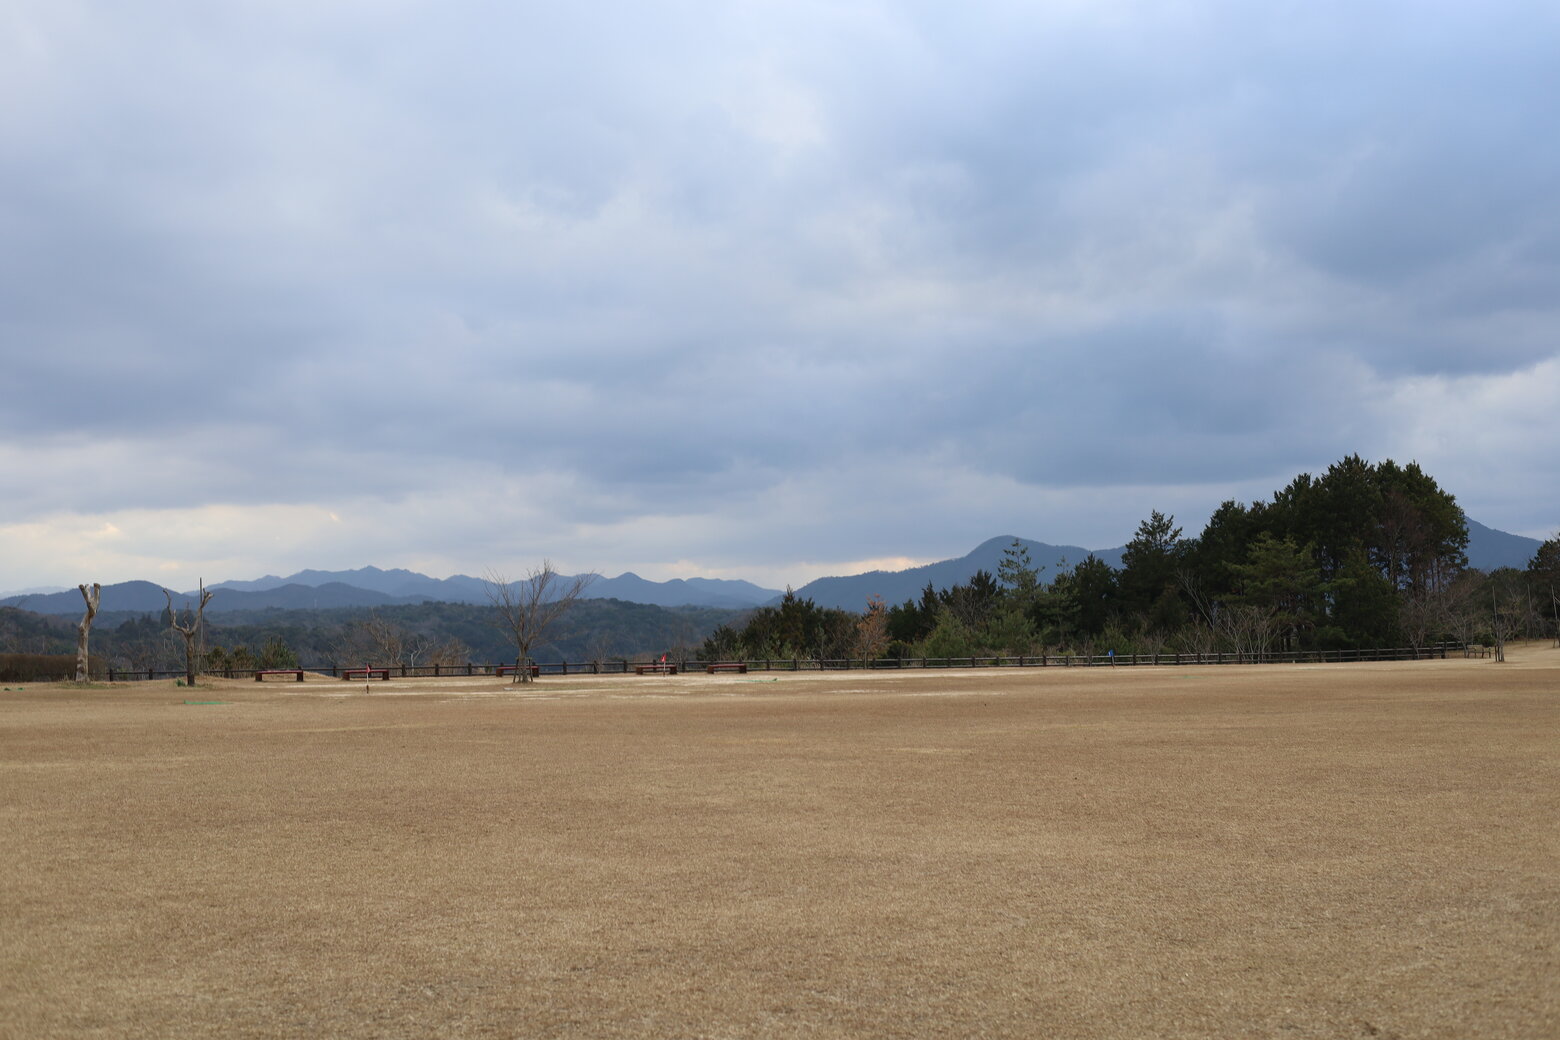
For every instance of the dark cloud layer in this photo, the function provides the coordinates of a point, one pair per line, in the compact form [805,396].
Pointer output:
[771,285]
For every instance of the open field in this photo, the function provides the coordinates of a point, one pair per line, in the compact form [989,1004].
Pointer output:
[1287,851]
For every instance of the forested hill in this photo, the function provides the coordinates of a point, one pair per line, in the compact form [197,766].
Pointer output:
[450,633]
[1488,550]
[852,592]
[1366,555]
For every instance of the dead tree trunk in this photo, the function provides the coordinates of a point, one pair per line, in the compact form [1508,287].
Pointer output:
[189,631]
[83,664]
[1497,622]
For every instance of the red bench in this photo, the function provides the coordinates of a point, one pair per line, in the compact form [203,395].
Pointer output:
[726,666]
[296,673]
[507,669]
[655,669]
[366,673]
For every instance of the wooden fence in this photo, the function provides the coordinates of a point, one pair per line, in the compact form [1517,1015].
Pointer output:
[802,664]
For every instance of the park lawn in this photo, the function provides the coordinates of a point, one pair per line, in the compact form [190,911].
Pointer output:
[1287,851]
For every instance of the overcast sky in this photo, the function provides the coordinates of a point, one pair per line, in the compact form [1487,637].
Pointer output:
[766,290]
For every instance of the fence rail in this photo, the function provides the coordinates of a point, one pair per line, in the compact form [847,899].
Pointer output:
[802,664]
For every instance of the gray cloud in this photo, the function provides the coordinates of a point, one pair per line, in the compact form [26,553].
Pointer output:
[684,267]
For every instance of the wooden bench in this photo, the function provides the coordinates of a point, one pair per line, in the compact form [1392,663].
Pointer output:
[655,669]
[514,669]
[296,673]
[726,666]
[366,673]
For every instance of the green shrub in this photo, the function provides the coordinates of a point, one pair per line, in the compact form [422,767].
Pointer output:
[277,654]
[951,638]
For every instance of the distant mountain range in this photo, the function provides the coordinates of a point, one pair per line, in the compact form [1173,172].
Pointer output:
[1488,549]
[402,586]
[373,587]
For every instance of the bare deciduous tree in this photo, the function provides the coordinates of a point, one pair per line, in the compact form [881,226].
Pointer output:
[388,640]
[528,609]
[374,642]
[416,648]
[450,653]
[872,630]
[191,630]
[1200,637]
[83,629]
[597,649]
[1250,629]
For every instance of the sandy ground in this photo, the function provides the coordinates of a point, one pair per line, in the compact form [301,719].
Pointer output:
[1288,851]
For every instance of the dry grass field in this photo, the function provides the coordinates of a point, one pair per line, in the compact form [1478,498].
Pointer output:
[1287,851]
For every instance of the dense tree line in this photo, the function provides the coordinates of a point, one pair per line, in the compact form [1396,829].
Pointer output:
[796,628]
[1366,555]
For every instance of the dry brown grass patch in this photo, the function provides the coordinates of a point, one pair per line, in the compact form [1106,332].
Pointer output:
[1203,852]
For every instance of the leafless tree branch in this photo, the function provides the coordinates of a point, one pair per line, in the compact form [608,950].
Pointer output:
[528,609]
[189,631]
